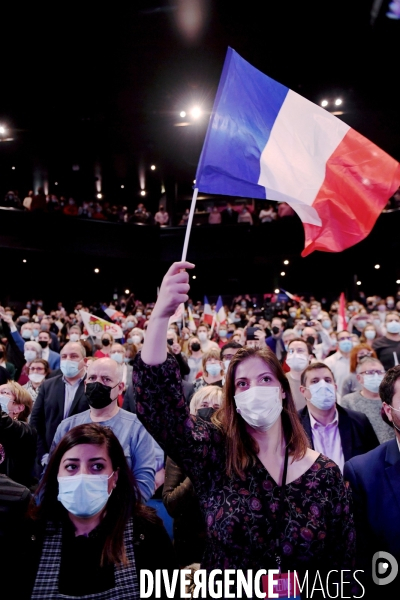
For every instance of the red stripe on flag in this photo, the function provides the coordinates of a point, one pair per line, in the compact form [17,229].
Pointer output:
[359,180]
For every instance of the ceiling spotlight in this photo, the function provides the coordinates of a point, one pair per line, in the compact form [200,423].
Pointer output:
[377,266]
[283,273]
[24,260]
[2,130]
[276,291]
[182,114]
[127,291]
[56,183]
[397,280]
[338,101]
[97,270]
[196,112]
[99,196]
[13,168]
[153,167]
[122,187]
[142,192]
[194,277]
[285,262]
[324,103]
[358,282]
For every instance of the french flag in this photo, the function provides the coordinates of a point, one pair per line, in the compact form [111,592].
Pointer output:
[208,314]
[265,141]
[220,312]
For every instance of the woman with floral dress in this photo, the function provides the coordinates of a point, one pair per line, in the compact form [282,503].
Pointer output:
[269,501]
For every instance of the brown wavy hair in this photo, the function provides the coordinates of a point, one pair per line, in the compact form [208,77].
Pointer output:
[241,448]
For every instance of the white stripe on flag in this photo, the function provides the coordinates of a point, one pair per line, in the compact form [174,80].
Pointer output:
[293,162]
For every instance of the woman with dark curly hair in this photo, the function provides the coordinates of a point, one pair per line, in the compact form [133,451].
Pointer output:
[269,501]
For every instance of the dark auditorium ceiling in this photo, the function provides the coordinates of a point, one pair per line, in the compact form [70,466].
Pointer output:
[86,84]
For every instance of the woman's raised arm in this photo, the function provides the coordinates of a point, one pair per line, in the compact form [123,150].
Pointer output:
[174,290]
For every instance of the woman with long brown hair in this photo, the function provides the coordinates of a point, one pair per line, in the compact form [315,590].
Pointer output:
[268,500]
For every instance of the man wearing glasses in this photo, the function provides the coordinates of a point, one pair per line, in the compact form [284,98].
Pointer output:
[370,374]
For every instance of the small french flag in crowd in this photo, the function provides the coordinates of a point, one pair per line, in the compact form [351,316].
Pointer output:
[208,315]
[265,141]
[220,312]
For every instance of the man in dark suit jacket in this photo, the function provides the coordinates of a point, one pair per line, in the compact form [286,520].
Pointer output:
[337,432]
[59,397]
[375,482]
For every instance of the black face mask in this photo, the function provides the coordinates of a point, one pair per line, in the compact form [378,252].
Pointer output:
[206,413]
[105,342]
[310,340]
[195,347]
[98,394]
[43,343]
[275,330]
[170,341]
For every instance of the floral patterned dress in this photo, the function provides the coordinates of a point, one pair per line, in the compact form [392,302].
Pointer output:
[316,529]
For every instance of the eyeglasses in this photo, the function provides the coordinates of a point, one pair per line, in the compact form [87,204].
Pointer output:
[376,372]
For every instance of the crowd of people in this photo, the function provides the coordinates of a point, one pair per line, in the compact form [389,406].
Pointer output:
[103,210]
[270,437]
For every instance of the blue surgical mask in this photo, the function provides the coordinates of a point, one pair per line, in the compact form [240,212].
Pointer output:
[213,369]
[83,495]
[35,332]
[323,395]
[361,324]
[129,340]
[223,333]
[372,382]
[30,355]
[326,324]
[345,345]
[117,356]
[4,400]
[26,334]
[370,334]
[69,368]
[130,324]
[393,327]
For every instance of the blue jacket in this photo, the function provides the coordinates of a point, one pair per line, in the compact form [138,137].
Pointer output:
[375,481]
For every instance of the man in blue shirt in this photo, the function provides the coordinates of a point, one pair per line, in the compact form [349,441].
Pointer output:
[103,385]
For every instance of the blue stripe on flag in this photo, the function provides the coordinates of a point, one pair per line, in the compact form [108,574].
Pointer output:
[245,109]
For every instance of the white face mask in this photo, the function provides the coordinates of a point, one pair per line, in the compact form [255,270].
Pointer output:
[136,339]
[74,337]
[202,336]
[259,406]
[370,334]
[226,365]
[323,394]
[296,361]
[36,377]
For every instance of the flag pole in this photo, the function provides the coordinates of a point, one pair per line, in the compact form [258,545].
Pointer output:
[189,224]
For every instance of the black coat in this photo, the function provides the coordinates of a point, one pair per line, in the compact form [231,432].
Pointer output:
[375,482]
[48,411]
[355,429]
[152,548]
[19,442]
